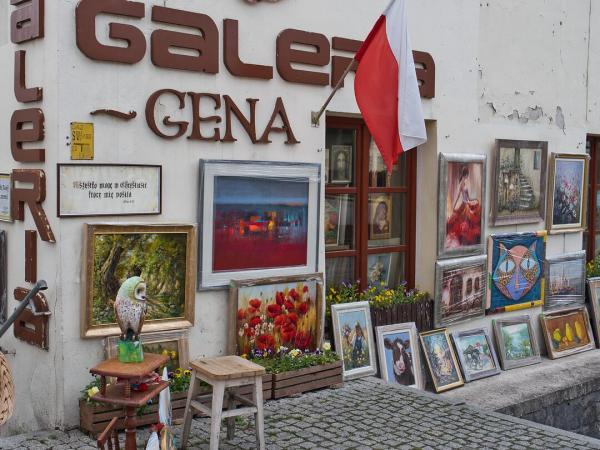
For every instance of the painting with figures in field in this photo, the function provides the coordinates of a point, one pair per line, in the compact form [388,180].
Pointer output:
[259,223]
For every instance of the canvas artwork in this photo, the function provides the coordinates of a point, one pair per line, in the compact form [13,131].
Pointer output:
[162,255]
[515,266]
[565,281]
[341,164]
[379,267]
[516,342]
[441,360]
[399,355]
[460,289]
[3,278]
[594,296]
[567,202]
[353,338]
[519,182]
[279,312]
[333,210]
[476,354]
[461,205]
[380,217]
[567,332]
[5,207]
[258,220]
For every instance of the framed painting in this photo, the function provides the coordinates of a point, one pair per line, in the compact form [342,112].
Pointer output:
[174,344]
[516,342]
[258,219]
[567,332]
[565,281]
[441,360]
[461,205]
[269,313]
[594,298]
[567,199]
[460,287]
[3,278]
[515,271]
[399,355]
[476,354]
[354,340]
[333,214]
[380,216]
[341,164]
[379,267]
[5,189]
[519,182]
[163,255]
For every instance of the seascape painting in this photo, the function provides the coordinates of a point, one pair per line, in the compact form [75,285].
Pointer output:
[565,284]
[259,223]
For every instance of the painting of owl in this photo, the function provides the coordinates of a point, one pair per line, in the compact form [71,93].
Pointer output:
[130,308]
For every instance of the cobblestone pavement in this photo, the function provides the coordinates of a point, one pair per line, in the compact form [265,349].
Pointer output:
[364,414]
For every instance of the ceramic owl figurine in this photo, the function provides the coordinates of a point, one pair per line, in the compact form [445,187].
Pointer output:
[130,308]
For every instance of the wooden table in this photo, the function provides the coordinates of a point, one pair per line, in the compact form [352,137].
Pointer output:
[121,393]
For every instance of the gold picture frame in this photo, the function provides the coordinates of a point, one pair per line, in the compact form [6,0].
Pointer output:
[567,332]
[97,314]
[439,340]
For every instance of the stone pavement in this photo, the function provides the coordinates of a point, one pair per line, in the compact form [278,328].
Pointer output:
[364,414]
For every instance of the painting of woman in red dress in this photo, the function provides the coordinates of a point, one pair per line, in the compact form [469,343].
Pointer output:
[463,210]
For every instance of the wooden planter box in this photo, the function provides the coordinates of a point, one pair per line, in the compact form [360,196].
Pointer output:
[309,379]
[94,419]
[421,313]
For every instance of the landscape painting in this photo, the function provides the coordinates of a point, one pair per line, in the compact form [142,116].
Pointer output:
[516,342]
[519,182]
[259,223]
[567,208]
[441,360]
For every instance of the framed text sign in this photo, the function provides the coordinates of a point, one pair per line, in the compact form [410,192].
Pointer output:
[5,212]
[109,190]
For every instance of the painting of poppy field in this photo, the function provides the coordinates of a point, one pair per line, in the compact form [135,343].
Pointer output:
[271,316]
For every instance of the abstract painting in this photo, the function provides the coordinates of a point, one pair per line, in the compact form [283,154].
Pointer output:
[460,289]
[399,355]
[476,354]
[519,182]
[516,342]
[354,341]
[515,266]
[441,360]
[568,186]
[276,312]
[567,332]
[258,220]
[565,281]
[461,205]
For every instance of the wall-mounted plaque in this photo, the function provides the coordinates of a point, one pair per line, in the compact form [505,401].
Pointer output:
[109,190]
[5,214]
[82,141]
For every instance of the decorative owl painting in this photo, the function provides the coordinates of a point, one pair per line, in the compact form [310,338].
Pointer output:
[515,268]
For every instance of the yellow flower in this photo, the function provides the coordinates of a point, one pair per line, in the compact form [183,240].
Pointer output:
[92,391]
[173,354]
[326,346]
[165,352]
[294,353]
[187,373]
[178,371]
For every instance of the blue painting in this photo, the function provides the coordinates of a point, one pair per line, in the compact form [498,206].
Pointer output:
[441,361]
[355,335]
[399,363]
[568,190]
[515,271]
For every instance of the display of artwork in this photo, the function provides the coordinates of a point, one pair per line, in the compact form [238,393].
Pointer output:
[594,296]
[519,182]
[258,220]
[340,162]
[515,267]
[354,341]
[567,203]
[476,354]
[516,342]
[461,205]
[380,216]
[3,278]
[565,281]
[399,355]
[567,332]
[276,312]
[460,289]
[5,208]
[164,256]
[441,360]
[379,268]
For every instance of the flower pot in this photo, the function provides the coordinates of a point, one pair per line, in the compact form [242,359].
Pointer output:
[294,382]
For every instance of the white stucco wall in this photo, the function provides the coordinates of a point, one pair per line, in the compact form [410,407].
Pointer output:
[511,54]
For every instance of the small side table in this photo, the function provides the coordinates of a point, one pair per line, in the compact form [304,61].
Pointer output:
[121,394]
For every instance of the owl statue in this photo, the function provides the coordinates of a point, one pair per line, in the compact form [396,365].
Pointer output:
[130,308]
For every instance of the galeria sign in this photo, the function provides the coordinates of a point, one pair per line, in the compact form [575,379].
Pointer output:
[301,57]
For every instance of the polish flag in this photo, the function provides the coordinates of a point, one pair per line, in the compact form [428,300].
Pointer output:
[386,87]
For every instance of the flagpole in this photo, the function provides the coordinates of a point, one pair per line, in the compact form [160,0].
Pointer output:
[316,116]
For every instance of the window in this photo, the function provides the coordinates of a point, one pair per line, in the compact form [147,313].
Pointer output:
[591,236]
[369,214]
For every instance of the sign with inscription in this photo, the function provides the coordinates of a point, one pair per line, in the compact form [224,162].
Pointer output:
[109,190]
[5,214]
[82,141]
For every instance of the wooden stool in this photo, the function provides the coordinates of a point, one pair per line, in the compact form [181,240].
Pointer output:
[225,372]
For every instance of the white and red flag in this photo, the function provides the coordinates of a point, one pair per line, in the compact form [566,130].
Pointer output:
[386,87]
